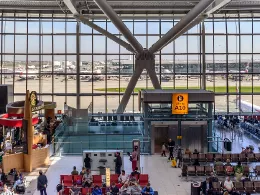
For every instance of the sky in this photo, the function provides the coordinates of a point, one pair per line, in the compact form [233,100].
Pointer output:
[139,28]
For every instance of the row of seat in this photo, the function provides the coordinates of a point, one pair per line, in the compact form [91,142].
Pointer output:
[209,157]
[68,180]
[84,191]
[241,187]
[219,170]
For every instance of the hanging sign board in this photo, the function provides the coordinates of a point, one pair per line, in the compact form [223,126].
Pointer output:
[180,103]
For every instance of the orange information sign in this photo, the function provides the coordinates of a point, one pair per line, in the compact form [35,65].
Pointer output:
[180,103]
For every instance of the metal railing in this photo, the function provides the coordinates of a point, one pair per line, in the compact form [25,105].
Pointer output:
[76,148]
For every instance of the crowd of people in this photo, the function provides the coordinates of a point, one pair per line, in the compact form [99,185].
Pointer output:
[126,184]
[15,179]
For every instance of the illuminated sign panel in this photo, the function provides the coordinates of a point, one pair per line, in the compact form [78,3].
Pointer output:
[180,103]
[107,177]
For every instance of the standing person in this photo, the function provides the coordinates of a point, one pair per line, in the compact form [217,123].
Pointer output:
[42,183]
[87,162]
[179,157]
[118,161]
[134,158]
[163,150]
[171,145]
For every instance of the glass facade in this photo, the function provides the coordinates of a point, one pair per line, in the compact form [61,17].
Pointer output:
[66,61]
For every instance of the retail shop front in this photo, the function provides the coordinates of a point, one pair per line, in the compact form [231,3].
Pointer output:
[32,149]
[182,115]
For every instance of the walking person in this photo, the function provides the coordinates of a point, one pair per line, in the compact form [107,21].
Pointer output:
[171,145]
[42,183]
[163,150]
[118,161]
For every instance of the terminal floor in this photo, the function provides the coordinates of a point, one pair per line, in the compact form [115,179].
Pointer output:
[239,139]
[163,178]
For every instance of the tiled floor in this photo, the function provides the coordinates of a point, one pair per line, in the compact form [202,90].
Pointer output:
[163,178]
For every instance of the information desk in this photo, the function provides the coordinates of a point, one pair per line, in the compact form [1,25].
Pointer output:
[102,158]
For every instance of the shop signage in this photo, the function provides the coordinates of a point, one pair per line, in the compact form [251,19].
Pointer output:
[108,177]
[180,103]
[59,111]
[179,137]
[34,102]
[33,99]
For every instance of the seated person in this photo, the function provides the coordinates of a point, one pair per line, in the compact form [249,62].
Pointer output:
[228,168]
[87,179]
[196,162]
[2,176]
[147,190]
[228,186]
[123,178]
[246,178]
[195,151]
[18,181]
[187,151]
[207,187]
[135,188]
[83,171]
[114,190]
[239,170]
[125,190]
[75,190]
[213,178]
[6,191]
[97,191]
[74,172]
[218,162]
[135,174]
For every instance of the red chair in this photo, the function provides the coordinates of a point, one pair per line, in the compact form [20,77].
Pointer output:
[66,191]
[77,179]
[113,178]
[143,180]
[61,178]
[67,180]
[97,180]
[85,191]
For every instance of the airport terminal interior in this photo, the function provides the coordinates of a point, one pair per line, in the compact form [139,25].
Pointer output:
[110,85]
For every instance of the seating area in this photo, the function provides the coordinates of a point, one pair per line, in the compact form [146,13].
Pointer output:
[239,187]
[67,182]
[210,158]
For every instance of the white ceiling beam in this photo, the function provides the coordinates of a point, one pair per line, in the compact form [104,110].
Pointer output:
[183,23]
[86,21]
[216,6]
[112,15]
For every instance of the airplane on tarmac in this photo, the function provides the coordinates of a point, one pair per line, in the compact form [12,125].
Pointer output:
[30,75]
[246,106]
[242,71]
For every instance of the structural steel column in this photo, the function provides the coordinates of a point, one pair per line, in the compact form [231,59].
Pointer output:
[111,14]
[78,65]
[130,88]
[209,134]
[152,74]
[203,47]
